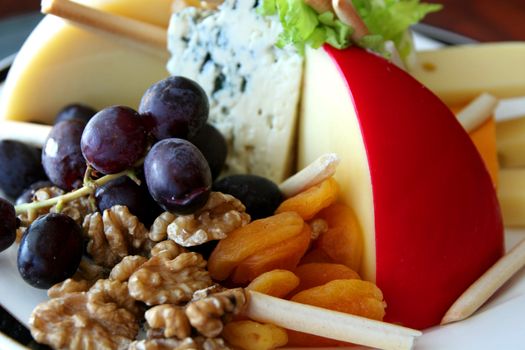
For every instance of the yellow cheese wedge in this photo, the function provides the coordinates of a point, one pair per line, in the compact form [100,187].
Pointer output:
[460,73]
[61,63]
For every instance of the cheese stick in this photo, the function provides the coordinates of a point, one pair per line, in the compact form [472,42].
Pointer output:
[328,323]
[30,133]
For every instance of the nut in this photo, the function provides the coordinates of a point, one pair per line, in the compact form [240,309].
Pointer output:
[207,315]
[159,228]
[167,250]
[68,286]
[170,317]
[161,281]
[67,323]
[221,215]
[165,344]
[206,292]
[126,267]
[115,235]
[111,296]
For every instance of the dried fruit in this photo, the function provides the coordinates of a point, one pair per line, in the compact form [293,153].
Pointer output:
[343,242]
[316,274]
[284,255]
[357,297]
[277,283]
[250,239]
[251,335]
[311,201]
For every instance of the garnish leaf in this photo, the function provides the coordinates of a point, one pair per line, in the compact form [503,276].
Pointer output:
[385,19]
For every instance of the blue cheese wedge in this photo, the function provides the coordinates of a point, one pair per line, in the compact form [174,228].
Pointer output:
[253,86]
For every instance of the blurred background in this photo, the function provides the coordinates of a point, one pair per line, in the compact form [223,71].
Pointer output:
[483,20]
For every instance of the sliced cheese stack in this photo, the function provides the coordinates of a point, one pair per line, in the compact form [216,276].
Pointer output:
[61,63]
[253,86]
[458,74]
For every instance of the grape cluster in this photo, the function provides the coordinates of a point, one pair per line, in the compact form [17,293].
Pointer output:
[170,152]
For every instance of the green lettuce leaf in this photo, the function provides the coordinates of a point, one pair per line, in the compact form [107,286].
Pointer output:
[386,20]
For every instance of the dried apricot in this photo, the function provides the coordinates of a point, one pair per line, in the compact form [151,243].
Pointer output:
[277,283]
[352,296]
[251,335]
[343,242]
[251,239]
[311,201]
[284,255]
[315,255]
[317,274]
[306,340]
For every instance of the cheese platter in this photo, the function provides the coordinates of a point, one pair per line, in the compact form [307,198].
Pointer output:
[409,267]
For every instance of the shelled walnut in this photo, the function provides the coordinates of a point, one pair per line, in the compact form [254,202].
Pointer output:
[126,267]
[208,314]
[198,343]
[171,318]
[161,281]
[167,250]
[219,216]
[114,235]
[69,322]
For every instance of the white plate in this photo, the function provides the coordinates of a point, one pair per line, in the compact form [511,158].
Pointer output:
[498,324]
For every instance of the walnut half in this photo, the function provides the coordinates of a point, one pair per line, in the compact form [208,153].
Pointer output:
[220,215]
[164,281]
[207,314]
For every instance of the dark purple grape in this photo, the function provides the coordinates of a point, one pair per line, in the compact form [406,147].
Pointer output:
[213,146]
[259,195]
[61,156]
[8,224]
[50,250]
[19,167]
[114,139]
[174,107]
[124,191]
[75,111]
[178,176]
[27,195]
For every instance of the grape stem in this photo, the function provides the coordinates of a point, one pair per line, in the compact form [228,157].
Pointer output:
[87,189]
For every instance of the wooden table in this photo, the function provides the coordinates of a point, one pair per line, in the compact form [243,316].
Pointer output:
[483,20]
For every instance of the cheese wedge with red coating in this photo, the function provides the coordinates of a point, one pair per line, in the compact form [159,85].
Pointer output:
[425,200]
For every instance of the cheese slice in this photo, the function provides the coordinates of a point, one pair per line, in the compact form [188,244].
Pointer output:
[460,73]
[61,63]
[253,87]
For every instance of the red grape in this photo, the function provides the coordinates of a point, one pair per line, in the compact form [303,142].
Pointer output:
[50,250]
[75,111]
[61,156]
[7,224]
[20,167]
[114,139]
[177,175]
[213,147]
[174,107]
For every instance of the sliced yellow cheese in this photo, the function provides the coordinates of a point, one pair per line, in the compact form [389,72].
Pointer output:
[511,195]
[460,73]
[510,135]
[324,110]
[61,63]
